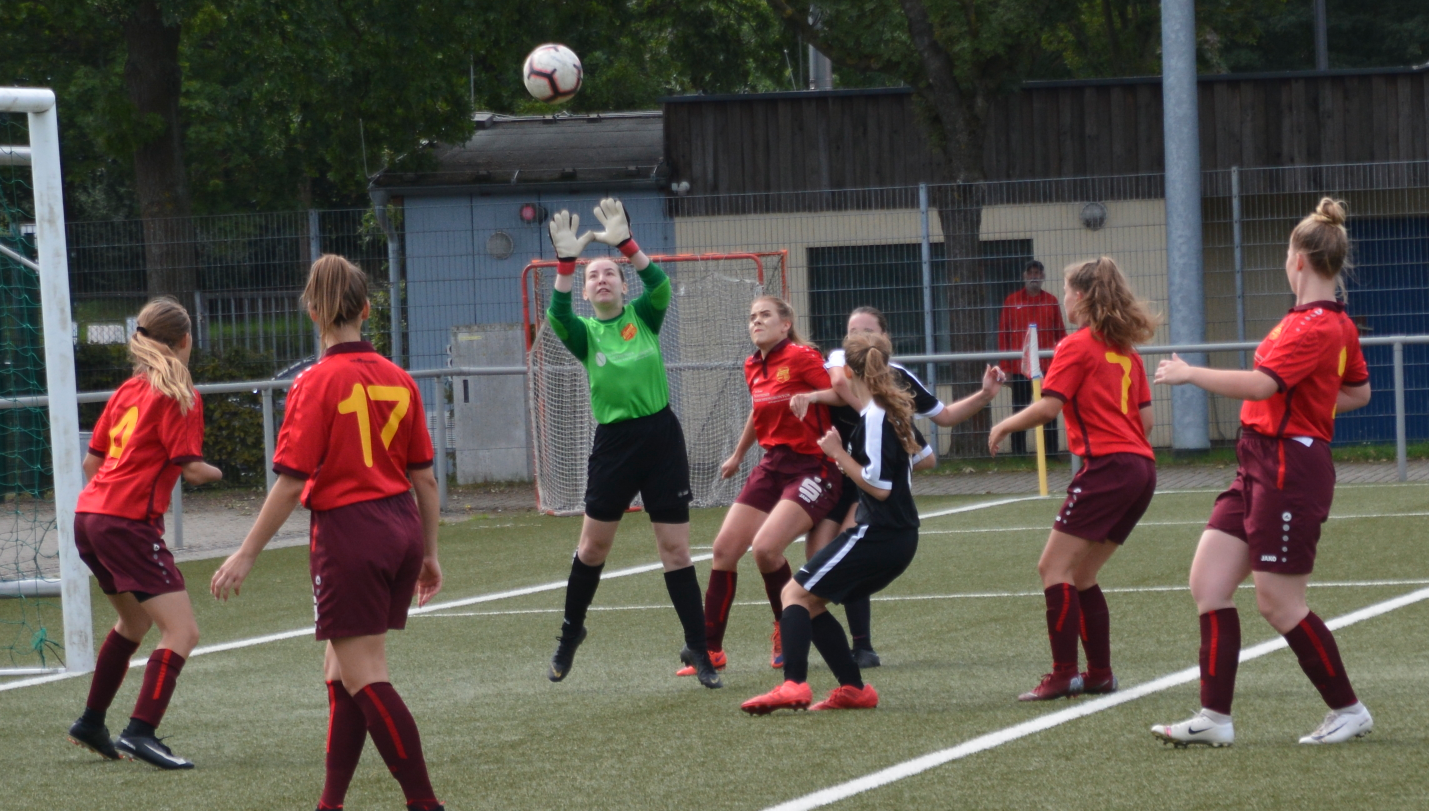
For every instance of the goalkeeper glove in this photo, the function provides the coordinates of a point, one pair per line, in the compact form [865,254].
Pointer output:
[611,213]
[563,238]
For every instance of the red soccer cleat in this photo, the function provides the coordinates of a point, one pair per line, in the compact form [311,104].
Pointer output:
[791,695]
[845,697]
[717,658]
[776,658]
[1098,684]
[1055,685]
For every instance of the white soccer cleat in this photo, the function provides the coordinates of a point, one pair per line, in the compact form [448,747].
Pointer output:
[1200,729]
[1342,725]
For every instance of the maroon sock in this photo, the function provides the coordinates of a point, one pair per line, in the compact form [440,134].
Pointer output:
[1319,657]
[395,732]
[346,733]
[718,598]
[1064,621]
[774,588]
[1220,656]
[160,676]
[1096,630]
[109,671]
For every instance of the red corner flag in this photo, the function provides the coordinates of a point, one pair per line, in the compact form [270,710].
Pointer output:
[1031,364]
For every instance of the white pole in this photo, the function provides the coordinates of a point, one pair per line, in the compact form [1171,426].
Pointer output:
[928,340]
[59,372]
[1185,286]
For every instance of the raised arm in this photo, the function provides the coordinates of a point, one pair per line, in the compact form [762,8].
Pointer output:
[954,413]
[1250,384]
[568,249]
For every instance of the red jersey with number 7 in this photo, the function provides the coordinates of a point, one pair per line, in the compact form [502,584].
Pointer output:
[1104,388]
[143,438]
[1311,353]
[352,427]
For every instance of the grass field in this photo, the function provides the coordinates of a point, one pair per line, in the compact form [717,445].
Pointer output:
[961,634]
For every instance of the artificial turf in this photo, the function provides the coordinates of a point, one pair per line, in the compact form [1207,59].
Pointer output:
[622,733]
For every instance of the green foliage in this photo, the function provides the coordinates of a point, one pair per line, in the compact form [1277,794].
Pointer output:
[1385,33]
[233,423]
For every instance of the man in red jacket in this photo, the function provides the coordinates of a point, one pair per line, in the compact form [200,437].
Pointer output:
[1029,304]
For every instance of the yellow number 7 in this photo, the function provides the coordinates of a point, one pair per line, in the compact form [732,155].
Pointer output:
[1125,363]
[356,403]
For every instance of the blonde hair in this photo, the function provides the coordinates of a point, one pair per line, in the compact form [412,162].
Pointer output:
[1322,237]
[786,313]
[867,354]
[163,323]
[336,292]
[1108,305]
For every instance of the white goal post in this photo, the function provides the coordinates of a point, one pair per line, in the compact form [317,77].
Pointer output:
[43,155]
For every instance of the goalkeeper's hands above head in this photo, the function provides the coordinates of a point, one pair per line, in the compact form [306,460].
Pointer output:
[563,236]
[612,216]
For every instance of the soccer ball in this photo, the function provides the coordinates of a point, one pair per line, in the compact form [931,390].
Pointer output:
[552,73]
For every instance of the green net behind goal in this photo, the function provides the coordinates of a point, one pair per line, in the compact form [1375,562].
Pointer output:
[29,625]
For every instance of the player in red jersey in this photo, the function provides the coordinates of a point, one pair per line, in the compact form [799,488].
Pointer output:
[353,445]
[1267,525]
[1098,381]
[795,484]
[151,432]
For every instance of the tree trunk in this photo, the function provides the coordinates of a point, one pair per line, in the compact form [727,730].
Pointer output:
[153,78]
[960,214]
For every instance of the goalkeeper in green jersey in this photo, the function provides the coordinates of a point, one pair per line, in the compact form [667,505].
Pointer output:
[639,446]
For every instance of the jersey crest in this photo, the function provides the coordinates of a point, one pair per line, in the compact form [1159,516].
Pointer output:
[782,375]
[628,332]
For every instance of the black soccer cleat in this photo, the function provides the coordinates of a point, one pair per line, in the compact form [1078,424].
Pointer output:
[150,750]
[866,658]
[565,654]
[704,668]
[94,737]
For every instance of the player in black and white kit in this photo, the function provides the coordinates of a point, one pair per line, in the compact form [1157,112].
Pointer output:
[844,417]
[865,558]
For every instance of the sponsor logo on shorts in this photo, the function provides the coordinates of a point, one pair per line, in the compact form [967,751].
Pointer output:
[628,331]
[809,490]
[1268,558]
[782,375]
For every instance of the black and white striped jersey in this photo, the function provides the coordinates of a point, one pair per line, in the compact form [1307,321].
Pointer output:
[887,466]
[925,403]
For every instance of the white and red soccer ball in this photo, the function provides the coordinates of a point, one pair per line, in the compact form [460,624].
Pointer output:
[552,73]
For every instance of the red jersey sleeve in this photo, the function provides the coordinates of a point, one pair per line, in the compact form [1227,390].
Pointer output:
[809,367]
[1067,372]
[182,434]
[1057,329]
[302,441]
[1354,372]
[1296,354]
[99,442]
[420,453]
[1004,328]
[1140,386]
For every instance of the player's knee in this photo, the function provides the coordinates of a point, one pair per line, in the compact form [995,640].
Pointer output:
[768,559]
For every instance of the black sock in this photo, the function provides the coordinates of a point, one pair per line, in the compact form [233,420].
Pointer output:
[580,590]
[860,619]
[829,638]
[94,718]
[684,590]
[795,631]
[140,729]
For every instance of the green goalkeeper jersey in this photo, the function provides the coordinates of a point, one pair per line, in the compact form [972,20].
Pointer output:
[622,355]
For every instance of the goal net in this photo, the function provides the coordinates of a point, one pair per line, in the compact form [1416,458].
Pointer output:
[44,587]
[704,342]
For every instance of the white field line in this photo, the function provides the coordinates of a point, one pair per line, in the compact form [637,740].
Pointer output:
[481,598]
[1157,524]
[991,740]
[974,595]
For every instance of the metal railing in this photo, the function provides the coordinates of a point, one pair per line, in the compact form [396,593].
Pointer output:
[265,389]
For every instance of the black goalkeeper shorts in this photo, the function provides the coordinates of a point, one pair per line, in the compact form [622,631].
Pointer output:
[647,456]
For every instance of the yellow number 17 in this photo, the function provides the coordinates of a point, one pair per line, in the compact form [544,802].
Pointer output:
[356,403]
[1125,363]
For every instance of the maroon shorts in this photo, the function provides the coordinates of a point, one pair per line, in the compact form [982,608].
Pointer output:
[1107,497]
[126,555]
[1280,497]
[812,482]
[365,559]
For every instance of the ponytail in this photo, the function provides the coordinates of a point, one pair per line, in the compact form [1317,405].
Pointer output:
[867,354]
[336,292]
[1109,307]
[786,313]
[163,323]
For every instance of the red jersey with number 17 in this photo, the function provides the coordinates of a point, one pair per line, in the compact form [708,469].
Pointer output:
[353,426]
[1311,353]
[1104,388]
[142,438]
[787,370]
